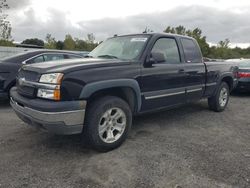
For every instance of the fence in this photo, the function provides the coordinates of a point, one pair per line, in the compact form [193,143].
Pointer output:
[9,51]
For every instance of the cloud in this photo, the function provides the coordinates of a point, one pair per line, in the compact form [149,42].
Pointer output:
[31,25]
[18,4]
[216,24]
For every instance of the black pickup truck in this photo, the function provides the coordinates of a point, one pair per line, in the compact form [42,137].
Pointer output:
[124,76]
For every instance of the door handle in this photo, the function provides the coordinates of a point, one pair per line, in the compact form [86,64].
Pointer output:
[181,70]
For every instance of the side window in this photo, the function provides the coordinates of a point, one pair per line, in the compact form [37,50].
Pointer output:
[53,57]
[36,60]
[69,56]
[168,49]
[191,51]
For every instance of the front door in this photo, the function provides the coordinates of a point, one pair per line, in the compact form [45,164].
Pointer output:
[163,83]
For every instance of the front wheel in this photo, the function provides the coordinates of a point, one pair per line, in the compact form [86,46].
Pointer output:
[108,121]
[220,100]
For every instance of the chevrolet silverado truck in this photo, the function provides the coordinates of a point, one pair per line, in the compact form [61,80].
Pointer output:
[124,76]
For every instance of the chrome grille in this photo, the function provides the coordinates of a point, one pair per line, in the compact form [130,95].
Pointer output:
[29,75]
[27,91]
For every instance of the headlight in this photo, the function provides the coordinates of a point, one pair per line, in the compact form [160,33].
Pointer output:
[52,78]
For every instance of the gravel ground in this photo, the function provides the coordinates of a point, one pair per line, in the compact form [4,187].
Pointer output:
[185,147]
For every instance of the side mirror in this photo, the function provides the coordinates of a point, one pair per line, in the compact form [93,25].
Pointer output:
[24,63]
[155,57]
[158,57]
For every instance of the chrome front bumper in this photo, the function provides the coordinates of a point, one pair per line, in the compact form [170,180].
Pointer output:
[62,122]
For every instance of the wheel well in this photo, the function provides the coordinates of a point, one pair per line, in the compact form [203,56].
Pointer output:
[125,93]
[229,81]
[13,83]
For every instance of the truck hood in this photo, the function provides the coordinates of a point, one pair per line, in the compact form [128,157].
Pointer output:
[69,65]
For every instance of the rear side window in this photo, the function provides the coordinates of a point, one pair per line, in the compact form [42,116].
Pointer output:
[191,51]
[69,56]
[53,57]
[169,48]
[36,60]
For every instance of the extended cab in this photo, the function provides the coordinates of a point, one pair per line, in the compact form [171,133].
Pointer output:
[124,76]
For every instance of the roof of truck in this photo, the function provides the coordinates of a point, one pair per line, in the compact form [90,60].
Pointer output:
[156,34]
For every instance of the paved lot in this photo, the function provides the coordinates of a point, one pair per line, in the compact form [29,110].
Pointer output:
[186,147]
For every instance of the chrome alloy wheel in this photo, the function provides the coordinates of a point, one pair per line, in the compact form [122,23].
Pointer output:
[112,125]
[223,98]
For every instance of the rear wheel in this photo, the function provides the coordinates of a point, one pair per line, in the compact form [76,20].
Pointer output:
[108,121]
[220,100]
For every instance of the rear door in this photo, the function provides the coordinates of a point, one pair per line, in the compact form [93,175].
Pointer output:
[162,84]
[194,68]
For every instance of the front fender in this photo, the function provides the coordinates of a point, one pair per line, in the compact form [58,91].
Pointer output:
[91,88]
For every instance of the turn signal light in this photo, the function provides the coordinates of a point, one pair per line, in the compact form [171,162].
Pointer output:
[57,95]
[49,94]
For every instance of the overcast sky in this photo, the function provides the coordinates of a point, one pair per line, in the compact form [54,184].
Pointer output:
[218,19]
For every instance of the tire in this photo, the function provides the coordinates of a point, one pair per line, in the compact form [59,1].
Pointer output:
[108,121]
[219,101]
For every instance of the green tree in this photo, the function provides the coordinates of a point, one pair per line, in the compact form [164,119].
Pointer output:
[81,44]
[169,29]
[59,45]
[224,43]
[5,30]
[91,44]
[5,26]
[50,42]
[6,43]
[147,30]
[223,51]
[34,41]
[180,30]
[202,40]
[90,38]
[69,43]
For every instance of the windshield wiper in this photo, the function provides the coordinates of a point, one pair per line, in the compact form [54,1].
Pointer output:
[108,56]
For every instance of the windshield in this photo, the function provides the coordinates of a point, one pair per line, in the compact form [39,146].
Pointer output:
[124,47]
[245,63]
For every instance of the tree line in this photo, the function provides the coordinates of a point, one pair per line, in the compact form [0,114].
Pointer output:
[69,43]
[220,51]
